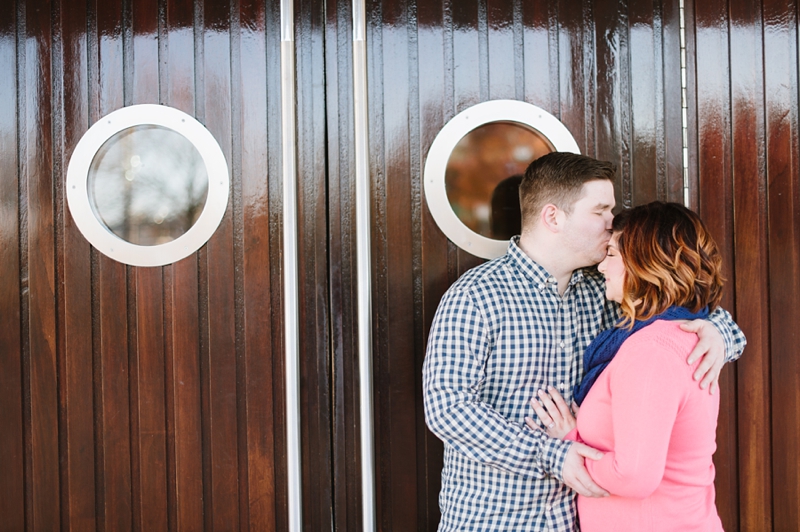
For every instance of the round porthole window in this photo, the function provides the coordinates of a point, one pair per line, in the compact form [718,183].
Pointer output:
[475,165]
[147,185]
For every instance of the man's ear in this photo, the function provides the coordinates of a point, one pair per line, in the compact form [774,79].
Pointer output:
[550,218]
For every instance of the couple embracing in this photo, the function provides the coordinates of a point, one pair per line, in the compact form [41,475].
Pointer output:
[616,315]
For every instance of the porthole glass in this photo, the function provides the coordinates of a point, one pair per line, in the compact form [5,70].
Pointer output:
[147,185]
[483,175]
[474,167]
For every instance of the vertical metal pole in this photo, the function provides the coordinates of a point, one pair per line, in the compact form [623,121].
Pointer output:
[363,262]
[290,286]
[684,105]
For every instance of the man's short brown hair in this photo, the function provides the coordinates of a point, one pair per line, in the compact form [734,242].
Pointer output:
[558,178]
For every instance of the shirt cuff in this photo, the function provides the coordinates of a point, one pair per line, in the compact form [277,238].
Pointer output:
[554,454]
[732,336]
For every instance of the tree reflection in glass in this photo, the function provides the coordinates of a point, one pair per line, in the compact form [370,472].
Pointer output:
[483,174]
[148,184]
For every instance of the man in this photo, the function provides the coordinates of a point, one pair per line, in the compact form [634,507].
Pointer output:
[515,325]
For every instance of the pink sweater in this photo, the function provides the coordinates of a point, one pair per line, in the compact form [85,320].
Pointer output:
[657,429]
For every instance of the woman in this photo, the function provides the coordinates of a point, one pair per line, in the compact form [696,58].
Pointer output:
[639,404]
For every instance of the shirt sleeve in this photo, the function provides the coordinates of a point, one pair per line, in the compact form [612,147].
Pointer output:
[646,395]
[732,335]
[453,380]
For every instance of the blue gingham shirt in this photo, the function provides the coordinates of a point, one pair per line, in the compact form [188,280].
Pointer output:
[502,332]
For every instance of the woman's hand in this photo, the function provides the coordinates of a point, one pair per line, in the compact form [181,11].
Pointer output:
[553,412]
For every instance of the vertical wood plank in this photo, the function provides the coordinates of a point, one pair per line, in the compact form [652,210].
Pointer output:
[645,72]
[12,500]
[220,350]
[470,81]
[243,477]
[782,151]
[502,54]
[431,278]
[713,145]
[76,364]
[147,376]
[257,266]
[750,283]
[181,305]
[539,53]
[43,505]
[57,141]
[314,311]
[452,22]
[585,34]
[115,455]
[111,306]
[380,45]
[660,176]
[144,33]
[187,508]
[574,64]
[275,215]
[612,117]
[341,228]
[147,373]
[435,106]
[670,143]
[393,304]
[465,55]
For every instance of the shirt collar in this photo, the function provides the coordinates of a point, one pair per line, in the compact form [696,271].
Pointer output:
[534,271]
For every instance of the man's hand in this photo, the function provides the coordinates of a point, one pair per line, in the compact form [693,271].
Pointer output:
[711,348]
[575,474]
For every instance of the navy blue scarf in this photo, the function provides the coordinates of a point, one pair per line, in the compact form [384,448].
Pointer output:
[603,348]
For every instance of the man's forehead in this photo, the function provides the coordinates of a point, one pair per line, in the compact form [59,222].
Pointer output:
[598,193]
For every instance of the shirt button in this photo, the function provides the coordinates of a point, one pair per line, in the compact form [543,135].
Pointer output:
[561,385]
[541,286]
[548,507]
[562,344]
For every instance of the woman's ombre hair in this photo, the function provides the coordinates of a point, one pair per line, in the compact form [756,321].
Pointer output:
[670,259]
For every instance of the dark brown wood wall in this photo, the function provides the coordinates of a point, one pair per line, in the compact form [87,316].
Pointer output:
[744,152]
[153,398]
[139,398]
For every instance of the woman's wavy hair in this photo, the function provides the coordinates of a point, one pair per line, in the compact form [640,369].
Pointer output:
[670,259]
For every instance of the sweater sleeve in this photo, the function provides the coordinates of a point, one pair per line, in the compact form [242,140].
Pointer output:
[648,386]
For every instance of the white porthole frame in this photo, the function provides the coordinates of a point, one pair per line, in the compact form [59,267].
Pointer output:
[513,111]
[96,232]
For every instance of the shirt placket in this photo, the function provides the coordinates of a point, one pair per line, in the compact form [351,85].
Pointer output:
[564,338]
[559,376]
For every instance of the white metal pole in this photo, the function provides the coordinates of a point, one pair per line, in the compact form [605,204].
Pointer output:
[290,283]
[363,262]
